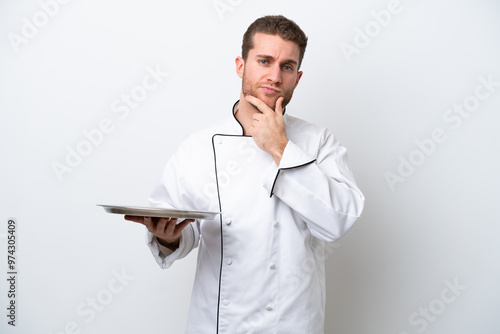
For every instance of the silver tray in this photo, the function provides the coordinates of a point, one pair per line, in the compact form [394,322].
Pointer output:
[158,212]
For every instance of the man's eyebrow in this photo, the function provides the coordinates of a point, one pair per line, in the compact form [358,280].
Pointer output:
[287,61]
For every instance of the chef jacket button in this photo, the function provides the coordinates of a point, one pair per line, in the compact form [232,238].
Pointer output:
[228,222]
[276,224]
[229,261]
[219,141]
[269,307]
[272,266]
[225,302]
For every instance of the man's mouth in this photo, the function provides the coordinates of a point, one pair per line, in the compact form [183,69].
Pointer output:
[269,90]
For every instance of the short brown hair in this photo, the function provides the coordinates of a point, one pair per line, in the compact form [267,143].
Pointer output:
[275,25]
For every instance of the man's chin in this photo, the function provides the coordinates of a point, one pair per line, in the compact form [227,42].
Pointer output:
[270,101]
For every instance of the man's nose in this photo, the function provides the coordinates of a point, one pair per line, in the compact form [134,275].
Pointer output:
[274,74]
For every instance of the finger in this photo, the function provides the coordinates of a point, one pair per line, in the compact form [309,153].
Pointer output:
[137,219]
[148,222]
[162,224]
[259,104]
[183,224]
[170,228]
[279,106]
[141,220]
[254,124]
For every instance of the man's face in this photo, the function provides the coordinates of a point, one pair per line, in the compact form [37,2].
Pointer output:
[271,69]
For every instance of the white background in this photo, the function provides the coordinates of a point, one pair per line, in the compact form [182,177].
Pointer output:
[389,275]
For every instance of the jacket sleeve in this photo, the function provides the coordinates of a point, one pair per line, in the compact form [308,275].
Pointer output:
[172,192]
[318,186]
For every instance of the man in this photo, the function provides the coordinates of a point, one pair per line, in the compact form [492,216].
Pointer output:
[284,189]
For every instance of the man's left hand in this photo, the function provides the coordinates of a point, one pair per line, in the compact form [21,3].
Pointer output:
[268,127]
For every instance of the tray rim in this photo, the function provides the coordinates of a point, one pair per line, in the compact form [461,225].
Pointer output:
[134,210]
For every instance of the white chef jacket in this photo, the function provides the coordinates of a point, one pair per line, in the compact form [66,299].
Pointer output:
[260,266]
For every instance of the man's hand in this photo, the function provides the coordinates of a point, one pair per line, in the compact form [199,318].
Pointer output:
[166,230]
[268,127]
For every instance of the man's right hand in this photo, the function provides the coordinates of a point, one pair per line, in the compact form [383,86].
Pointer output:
[166,230]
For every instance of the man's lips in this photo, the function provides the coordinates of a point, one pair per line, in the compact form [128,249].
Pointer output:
[269,90]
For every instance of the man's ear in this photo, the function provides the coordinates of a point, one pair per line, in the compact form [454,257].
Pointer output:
[299,75]
[240,66]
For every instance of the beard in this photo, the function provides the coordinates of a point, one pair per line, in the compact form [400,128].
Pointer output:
[249,89]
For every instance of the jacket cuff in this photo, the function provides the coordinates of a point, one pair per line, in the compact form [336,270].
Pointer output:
[293,157]
[164,256]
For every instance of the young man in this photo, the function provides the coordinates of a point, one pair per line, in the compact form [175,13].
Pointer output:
[284,187]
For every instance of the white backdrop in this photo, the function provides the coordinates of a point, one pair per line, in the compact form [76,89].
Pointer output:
[96,95]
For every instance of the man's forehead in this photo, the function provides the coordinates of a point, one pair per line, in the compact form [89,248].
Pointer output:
[274,46]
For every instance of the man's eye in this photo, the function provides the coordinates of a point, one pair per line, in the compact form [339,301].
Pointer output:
[287,68]
[263,62]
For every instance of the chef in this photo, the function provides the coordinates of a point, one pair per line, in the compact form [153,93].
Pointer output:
[285,191]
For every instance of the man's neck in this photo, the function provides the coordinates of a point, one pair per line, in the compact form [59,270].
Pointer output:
[244,114]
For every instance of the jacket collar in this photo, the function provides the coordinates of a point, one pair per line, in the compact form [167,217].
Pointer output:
[236,124]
